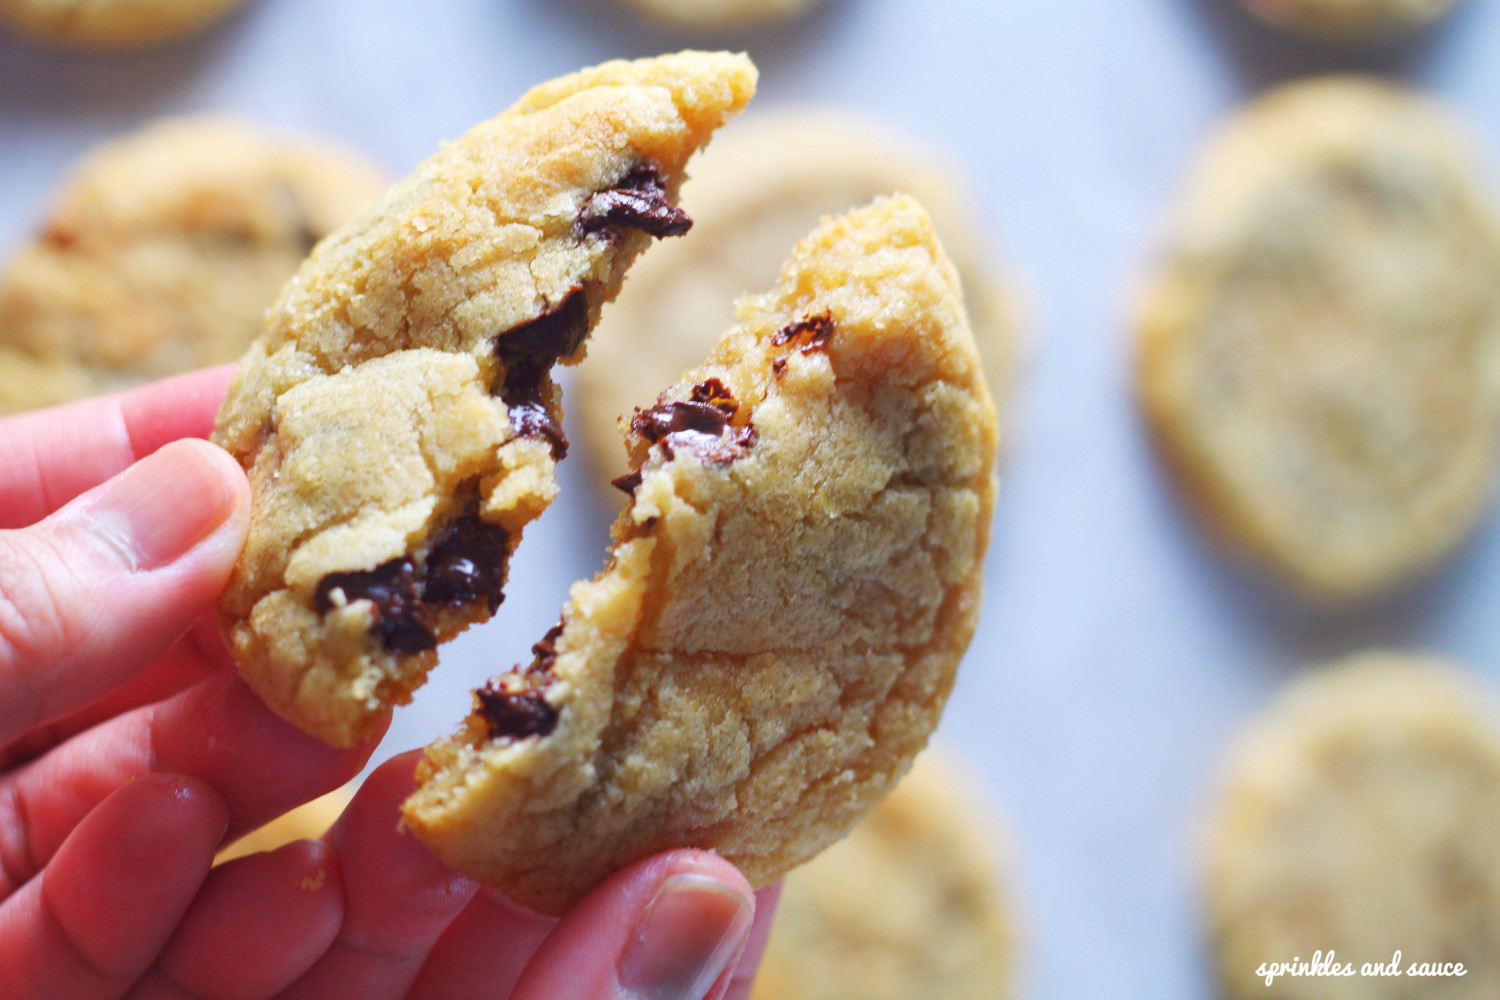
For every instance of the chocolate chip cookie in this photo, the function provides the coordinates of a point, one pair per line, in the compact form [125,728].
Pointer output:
[762,186]
[397,418]
[786,601]
[908,905]
[722,14]
[1321,351]
[1349,20]
[162,253]
[1361,815]
[112,24]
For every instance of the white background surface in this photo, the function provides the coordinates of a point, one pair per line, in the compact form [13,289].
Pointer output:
[1118,649]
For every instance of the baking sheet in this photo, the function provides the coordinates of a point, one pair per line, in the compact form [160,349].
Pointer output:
[1117,649]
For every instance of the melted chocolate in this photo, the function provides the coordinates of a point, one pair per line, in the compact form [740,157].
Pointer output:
[627,483]
[545,652]
[637,201]
[810,333]
[515,714]
[400,619]
[468,562]
[699,427]
[528,352]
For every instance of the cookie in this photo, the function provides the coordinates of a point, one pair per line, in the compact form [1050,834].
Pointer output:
[908,905]
[1320,353]
[1361,815]
[786,601]
[722,14]
[1351,20]
[162,253]
[307,822]
[112,24]
[760,188]
[398,419]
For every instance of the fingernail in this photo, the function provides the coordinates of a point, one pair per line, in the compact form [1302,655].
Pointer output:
[157,510]
[691,930]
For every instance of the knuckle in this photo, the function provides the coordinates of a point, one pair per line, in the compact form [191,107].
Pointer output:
[36,625]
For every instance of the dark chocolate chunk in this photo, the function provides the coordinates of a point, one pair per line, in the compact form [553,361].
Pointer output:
[675,418]
[810,333]
[713,392]
[468,562]
[400,620]
[637,201]
[528,352]
[531,418]
[545,652]
[515,713]
[694,426]
[778,365]
[628,482]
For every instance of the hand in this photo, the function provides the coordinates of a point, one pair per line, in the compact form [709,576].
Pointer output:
[129,752]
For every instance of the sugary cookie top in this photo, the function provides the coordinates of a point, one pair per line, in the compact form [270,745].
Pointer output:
[908,905]
[1361,813]
[112,24]
[790,591]
[1351,19]
[162,253]
[1321,351]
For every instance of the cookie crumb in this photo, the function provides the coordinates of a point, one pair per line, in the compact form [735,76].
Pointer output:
[312,883]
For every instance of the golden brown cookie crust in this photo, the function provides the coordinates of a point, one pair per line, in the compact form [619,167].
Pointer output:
[162,252]
[1351,20]
[112,24]
[397,419]
[786,602]
[1320,352]
[908,905]
[1361,813]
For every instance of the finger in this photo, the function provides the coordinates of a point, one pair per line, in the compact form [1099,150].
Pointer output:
[483,952]
[113,894]
[218,732]
[398,899]
[49,457]
[195,657]
[670,926]
[257,924]
[738,987]
[104,586]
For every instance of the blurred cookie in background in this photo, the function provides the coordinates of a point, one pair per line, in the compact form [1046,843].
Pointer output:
[112,24]
[308,821]
[1351,20]
[1320,352]
[1361,815]
[908,905]
[163,252]
[755,192]
[722,14]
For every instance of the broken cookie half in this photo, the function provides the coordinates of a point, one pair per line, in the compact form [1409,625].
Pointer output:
[397,418]
[788,596]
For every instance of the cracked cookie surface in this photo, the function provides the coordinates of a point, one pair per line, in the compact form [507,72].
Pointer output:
[162,253]
[397,417]
[908,905]
[1320,353]
[1361,813]
[785,604]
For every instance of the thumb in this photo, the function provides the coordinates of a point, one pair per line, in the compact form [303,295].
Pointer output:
[102,587]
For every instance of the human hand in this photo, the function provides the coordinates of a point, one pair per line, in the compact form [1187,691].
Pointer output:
[129,751]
